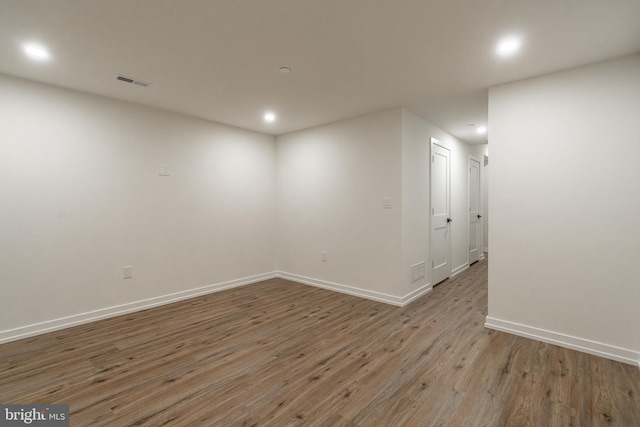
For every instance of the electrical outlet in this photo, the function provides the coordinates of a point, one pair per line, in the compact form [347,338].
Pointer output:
[127,272]
[163,170]
[386,203]
[324,256]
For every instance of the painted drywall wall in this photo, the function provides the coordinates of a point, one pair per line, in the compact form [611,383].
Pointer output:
[416,146]
[80,198]
[416,152]
[417,131]
[564,203]
[485,201]
[331,184]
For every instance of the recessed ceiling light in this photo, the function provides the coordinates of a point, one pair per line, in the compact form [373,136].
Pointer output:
[508,46]
[36,52]
[284,70]
[269,117]
[481,130]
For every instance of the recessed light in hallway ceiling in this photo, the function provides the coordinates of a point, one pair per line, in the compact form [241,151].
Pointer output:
[36,52]
[269,117]
[508,46]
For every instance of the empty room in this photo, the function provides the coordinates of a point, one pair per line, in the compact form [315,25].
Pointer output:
[322,213]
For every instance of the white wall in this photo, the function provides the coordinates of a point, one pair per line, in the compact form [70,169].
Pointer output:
[485,203]
[417,133]
[416,152]
[416,146]
[564,202]
[81,198]
[331,183]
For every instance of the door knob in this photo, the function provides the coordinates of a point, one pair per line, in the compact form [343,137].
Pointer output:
[479,216]
[449,220]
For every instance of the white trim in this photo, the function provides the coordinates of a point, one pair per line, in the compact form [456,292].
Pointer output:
[104,313]
[414,295]
[358,292]
[345,289]
[567,341]
[434,141]
[459,270]
[480,206]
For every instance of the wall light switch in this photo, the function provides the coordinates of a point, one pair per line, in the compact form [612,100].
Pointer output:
[386,203]
[163,170]
[127,272]
[324,257]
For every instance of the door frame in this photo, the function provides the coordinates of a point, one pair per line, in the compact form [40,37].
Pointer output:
[433,142]
[480,209]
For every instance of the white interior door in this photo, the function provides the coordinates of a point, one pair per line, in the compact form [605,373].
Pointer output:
[475,224]
[440,212]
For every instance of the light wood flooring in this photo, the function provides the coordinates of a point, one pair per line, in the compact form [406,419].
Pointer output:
[279,353]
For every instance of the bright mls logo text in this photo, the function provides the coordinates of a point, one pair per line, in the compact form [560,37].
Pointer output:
[39,415]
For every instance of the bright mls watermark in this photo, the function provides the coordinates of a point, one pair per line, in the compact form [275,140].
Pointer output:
[34,415]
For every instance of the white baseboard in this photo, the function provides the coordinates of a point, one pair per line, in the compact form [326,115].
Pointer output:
[358,292]
[567,341]
[92,316]
[104,313]
[345,289]
[458,270]
[411,296]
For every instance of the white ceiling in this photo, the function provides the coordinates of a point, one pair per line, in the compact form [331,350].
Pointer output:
[219,59]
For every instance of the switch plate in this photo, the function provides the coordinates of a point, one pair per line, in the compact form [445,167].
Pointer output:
[324,256]
[386,203]
[163,170]
[127,272]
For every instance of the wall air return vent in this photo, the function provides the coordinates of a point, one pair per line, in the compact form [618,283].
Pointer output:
[132,81]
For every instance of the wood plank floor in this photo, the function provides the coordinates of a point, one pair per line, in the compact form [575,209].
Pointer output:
[279,353]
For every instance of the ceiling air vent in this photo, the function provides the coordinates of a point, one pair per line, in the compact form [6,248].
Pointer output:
[132,81]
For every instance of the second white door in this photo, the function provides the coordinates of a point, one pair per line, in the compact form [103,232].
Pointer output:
[440,213]
[475,224]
